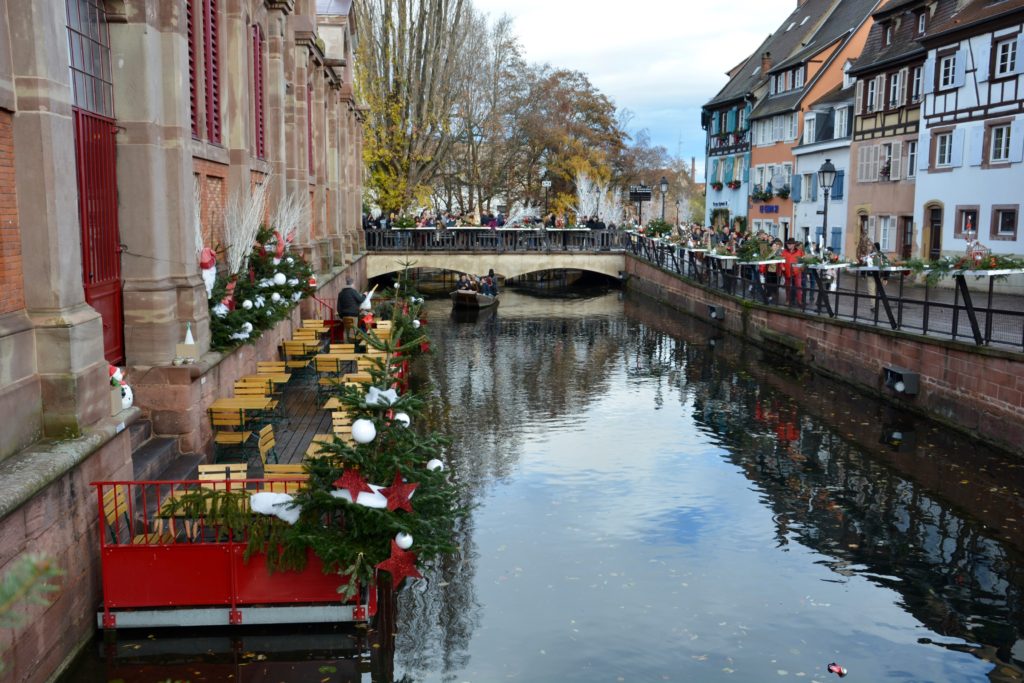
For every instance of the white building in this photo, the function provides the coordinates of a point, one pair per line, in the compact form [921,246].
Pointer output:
[827,134]
[971,162]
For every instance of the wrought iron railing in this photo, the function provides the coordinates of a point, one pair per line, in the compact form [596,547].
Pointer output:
[897,302]
[495,240]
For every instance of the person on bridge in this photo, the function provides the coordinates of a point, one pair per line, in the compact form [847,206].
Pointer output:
[349,299]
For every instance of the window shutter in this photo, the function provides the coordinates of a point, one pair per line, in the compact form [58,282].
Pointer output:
[714,171]
[897,160]
[259,134]
[730,121]
[928,76]
[960,68]
[211,55]
[1019,63]
[881,95]
[904,77]
[837,186]
[858,100]
[795,190]
[746,115]
[957,148]
[982,56]
[1017,134]
[976,145]
[923,154]
[729,166]
[814,187]
[872,229]
[714,124]
[193,95]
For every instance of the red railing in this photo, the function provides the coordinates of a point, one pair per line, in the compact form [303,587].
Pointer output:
[330,317]
[154,557]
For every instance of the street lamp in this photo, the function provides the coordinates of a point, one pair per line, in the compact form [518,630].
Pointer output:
[663,185]
[826,176]
[546,184]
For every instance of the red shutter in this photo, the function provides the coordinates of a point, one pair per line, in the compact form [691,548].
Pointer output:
[192,94]
[211,54]
[309,122]
[257,92]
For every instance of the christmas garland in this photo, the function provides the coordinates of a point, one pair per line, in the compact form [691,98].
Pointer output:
[947,266]
[243,305]
[382,503]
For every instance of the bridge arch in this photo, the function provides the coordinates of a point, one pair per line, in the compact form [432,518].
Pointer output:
[507,265]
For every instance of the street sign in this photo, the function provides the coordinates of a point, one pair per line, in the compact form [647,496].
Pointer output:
[639,193]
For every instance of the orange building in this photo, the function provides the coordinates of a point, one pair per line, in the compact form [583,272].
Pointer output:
[814,68]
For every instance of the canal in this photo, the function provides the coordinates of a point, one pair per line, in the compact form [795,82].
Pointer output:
[652,501]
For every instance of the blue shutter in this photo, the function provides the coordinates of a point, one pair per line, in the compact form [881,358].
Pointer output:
[837,186]
[981,59]
[730,121]
[977,145]
[746,109]
[1017,133]
[928,76]
[714,123]
[729,166]
[746,169]
[714,171]
[795,191]
[837,240]
[960,68]
[814,187]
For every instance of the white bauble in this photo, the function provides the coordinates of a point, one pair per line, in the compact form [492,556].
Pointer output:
[403,540]
[280,278]
[247,327]
[276,261]
[416,324]
[402,419]
[247,304]
[398,285]
[435,464]
[275,297]
[363,431]
[290,261]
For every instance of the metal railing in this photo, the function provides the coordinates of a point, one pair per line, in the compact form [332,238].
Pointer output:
[897,302]
[495,240]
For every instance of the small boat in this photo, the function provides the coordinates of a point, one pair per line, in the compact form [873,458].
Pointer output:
[467,298]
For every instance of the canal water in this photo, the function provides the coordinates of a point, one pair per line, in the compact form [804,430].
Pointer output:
[653,501]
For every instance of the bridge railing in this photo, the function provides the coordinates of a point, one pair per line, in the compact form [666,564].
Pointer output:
[495,240]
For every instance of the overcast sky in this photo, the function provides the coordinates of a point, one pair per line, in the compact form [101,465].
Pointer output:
[661,59]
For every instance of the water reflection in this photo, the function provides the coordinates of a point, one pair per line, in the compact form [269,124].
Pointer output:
[650,506]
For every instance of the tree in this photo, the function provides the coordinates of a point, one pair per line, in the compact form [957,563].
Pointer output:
[412,71]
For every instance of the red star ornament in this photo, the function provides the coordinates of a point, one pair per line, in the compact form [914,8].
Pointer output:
[400,565]
[353,481]
[398,494]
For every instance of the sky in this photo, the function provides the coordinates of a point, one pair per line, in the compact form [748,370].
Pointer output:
[661,59]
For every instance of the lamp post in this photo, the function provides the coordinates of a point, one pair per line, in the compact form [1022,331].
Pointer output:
[546,184]
[663,186]
[826,176]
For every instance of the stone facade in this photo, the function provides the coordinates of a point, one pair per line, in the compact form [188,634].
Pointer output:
[171,132]
[973,389]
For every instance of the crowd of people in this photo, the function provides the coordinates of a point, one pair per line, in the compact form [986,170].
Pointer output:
[484,284]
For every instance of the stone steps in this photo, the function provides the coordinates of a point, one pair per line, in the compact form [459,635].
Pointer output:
[157,457]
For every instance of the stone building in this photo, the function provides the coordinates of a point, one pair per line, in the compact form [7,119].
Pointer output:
[112,112]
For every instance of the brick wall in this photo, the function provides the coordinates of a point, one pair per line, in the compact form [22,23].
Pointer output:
[213,192]
[975,389]
[12,293]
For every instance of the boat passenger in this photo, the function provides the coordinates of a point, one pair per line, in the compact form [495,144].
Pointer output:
[463,282]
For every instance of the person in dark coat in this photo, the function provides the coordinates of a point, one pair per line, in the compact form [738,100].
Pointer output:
[349,299]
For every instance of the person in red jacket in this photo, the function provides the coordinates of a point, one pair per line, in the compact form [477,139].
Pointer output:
[792,271]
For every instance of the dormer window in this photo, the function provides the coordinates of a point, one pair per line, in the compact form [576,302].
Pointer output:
[887,35]
[798,77]
[922,23]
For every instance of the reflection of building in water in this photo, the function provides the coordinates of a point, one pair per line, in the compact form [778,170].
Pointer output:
[331,655]
[870,519]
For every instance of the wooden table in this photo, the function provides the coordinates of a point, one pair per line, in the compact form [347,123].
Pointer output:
[274,377]
[242,403]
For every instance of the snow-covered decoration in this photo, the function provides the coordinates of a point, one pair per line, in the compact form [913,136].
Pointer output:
[520,213]
[265,283]
[247,327]
[370,500]
[403,419]
[242,221]
[292,211]
[240,336]
[290,261]
[275,504]
[293,282]
[259,302]
[127,397]
[596,198]
[220,310]
[379,397]
[296,296]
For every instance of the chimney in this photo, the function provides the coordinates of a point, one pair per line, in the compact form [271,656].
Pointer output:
[766,63]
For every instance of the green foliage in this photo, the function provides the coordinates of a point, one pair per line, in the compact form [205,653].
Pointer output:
[257,286]
[26,582]
[658,228]
[405,221]
[754,249]
[947,266]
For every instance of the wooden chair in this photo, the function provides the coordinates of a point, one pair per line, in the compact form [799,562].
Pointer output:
[343,348]
[289,471]
[297,354]
[214,476]
[267,446]
[270,367]
[341,422]
[357,377]
[122,531]
[229,433]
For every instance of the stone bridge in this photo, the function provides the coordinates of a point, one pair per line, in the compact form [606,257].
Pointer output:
[508,265]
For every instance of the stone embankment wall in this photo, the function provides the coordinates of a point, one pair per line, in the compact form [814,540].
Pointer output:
[979,390]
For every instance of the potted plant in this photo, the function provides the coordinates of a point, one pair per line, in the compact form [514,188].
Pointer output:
[783,192]
[715,185]
[658,228]
[734,184]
